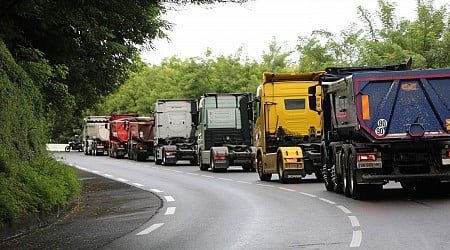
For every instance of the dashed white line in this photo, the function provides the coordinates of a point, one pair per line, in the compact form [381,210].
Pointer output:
[193,174]
[310,195]
[122,180]
[356,239]
[245,182]
[138,184]
[150,229]
[225,179]
[108,175]
[156,190]
[327,201]
[170,210]
[354,221]
[208,176]
[344,209]
[178,171]
[169,198]
[287,189]
[264,185]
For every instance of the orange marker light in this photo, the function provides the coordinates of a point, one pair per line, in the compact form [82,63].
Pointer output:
[365,107]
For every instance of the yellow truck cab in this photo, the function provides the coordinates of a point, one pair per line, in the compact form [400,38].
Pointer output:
[287,132]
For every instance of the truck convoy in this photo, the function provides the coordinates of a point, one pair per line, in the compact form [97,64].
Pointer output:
[224,132]
[140,138]
[381,124]
[175,123]
[287,133]
[96,135]
[118,134]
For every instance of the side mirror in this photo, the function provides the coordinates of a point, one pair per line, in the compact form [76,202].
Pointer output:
[312,90]
[250,110]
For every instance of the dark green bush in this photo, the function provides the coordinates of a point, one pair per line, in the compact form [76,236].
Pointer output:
[30,180]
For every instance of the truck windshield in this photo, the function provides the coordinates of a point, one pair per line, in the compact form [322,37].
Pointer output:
[291,104]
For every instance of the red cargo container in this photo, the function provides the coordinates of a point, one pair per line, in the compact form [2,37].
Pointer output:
[140,138]
[118,134]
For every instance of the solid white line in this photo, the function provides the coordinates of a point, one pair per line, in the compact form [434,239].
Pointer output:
[245,182]
[327,201]
[310,195]
[96,172]
[356,239]
[344,209]
[108,175]
[287,189]
[156,190]
[150,229]
[138,184]
[169,198]
[122,180]
[170,211]
[354,221]
[85,169]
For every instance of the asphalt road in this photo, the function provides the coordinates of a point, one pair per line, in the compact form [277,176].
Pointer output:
[234,210]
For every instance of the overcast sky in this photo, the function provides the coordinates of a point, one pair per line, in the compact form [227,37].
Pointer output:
[225,28]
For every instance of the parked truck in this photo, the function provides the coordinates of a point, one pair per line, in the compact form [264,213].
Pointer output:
[224,132]
[140,138]
[287,133]
[118,134]
[175,124]
[96,135]
[384,123]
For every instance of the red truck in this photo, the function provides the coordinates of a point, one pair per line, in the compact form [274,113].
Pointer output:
[140,138]
[118,134]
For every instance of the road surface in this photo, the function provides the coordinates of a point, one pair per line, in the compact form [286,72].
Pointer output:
[234,210]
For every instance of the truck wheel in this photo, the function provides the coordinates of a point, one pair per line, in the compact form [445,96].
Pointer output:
[281,174]
[202,166]
[336,180]
[259,168]
[355,190]
[345,173]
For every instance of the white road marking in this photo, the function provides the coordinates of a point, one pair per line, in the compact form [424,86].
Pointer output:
[225,179]
[96,172]
[150,229]
[170,211]
[354,221]
[138,184]
[208,176]
[169,198]
[327,201]
[85,169]
[108,175]
[192,174]
[310,195]
[122,180]
[154,167]
[344,209]
[264,185]
[245,182]
[156,190]
[356,239]
[287,189]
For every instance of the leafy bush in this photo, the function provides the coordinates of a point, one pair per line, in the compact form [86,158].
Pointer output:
[30,180]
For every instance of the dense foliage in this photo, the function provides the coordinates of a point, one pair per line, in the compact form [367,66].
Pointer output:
[29,179]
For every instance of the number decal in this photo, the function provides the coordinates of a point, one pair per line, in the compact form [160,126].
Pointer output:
[381,129]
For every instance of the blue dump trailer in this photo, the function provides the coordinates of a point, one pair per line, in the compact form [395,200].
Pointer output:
[381,124]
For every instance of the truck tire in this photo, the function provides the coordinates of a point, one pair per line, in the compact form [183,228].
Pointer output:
[345,172]
[325,172]
[259,168]
[356,190]
[336,179]
[280,170]
[202,166]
